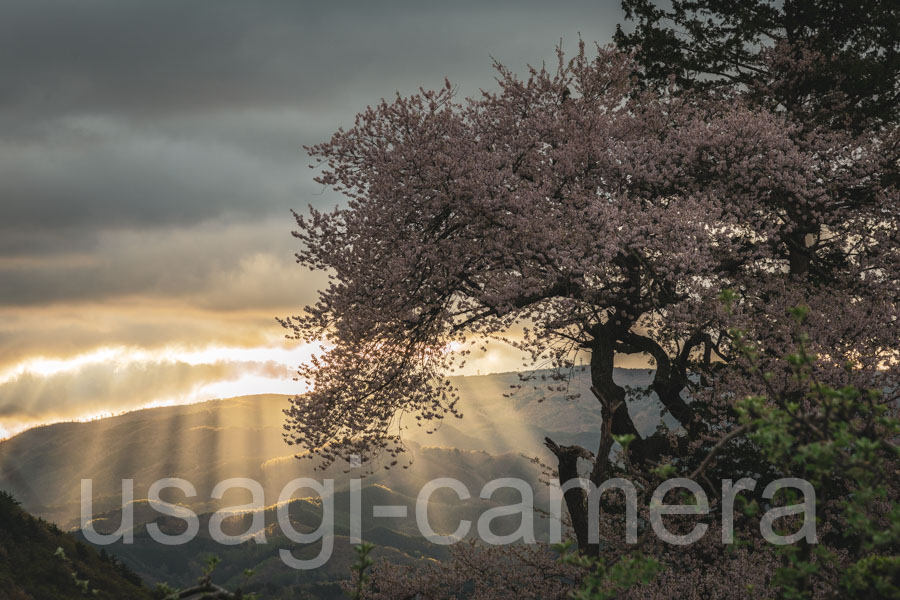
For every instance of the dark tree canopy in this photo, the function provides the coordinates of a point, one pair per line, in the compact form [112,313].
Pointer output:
[831,62]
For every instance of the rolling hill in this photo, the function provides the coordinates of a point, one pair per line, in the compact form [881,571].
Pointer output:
[241,437]
[40,562]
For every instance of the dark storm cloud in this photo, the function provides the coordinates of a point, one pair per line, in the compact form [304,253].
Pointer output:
[137,137]
[217,266]
[133,179]
[119,113]
[165,55]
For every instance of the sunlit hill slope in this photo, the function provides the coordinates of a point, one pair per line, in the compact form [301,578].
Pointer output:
[241,437]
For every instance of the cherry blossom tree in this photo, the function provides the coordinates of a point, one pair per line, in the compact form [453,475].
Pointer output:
[577,212]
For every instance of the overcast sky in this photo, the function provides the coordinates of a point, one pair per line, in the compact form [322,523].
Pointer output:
[150,153]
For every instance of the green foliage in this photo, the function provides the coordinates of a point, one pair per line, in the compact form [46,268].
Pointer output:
[38,561]
[841,440]
[84,585]
[605,582]
[874,577]
[164,591]
[205,587]
[360,570]
[210,564]
[7,500]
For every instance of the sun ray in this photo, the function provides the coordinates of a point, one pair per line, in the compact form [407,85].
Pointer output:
[250,371]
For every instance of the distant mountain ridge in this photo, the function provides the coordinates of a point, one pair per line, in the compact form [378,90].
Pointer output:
[505,422]
[241,437]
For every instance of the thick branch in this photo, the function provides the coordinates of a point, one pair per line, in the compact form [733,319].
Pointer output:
[207,590]
[668,383]
[576,496]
